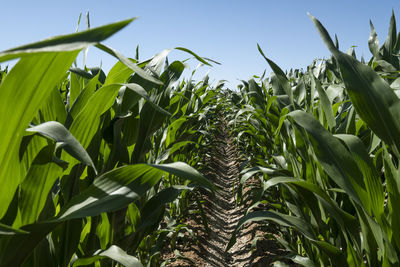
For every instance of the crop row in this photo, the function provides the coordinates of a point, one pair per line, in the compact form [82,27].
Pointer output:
[324,144]
[90,161]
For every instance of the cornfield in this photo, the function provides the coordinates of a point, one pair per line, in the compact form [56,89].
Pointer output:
[102,169]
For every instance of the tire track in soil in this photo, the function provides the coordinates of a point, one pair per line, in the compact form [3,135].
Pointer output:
[223,215]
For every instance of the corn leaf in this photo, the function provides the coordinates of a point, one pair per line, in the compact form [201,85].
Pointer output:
[113,252]
[71,42]
[333,155]
[37,184]
[64,139]
[22,93]
[372,97]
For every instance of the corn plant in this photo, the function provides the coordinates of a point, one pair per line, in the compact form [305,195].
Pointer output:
[89,160]
[323,144]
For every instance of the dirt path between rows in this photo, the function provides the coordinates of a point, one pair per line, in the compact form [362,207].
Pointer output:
[223,214]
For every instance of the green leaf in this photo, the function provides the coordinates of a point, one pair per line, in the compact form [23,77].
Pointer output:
[37,184]
[153,209]
[333,156]
[113,252]
[372,97]
[172,129]
[193,54]
[372,180]
[64,139]
[373,42]
[15,248]
[76,86]
[119,73]
[347,222]
[344,219]
[86,123]
[103,231]
[70,42]
[175,147]
[390,43]
[281,76]
[325,103]
[117,188]
[22,93]
[8,230]
[82,73]
[279,218]
[282,118]
[82,100]
[305,261]
[150,118]
[393,189]
[186,172]
[139,91]
[142,73]
[156,63]
[335,255]
[109,192]
[27,86]
[54,108]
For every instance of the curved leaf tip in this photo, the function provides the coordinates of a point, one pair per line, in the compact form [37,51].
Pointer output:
[64,139]
[68,42]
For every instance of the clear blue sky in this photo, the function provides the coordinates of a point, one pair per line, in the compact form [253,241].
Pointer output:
[225,30]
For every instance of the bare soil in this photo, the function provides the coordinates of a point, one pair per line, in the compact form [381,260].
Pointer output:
[223,213]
